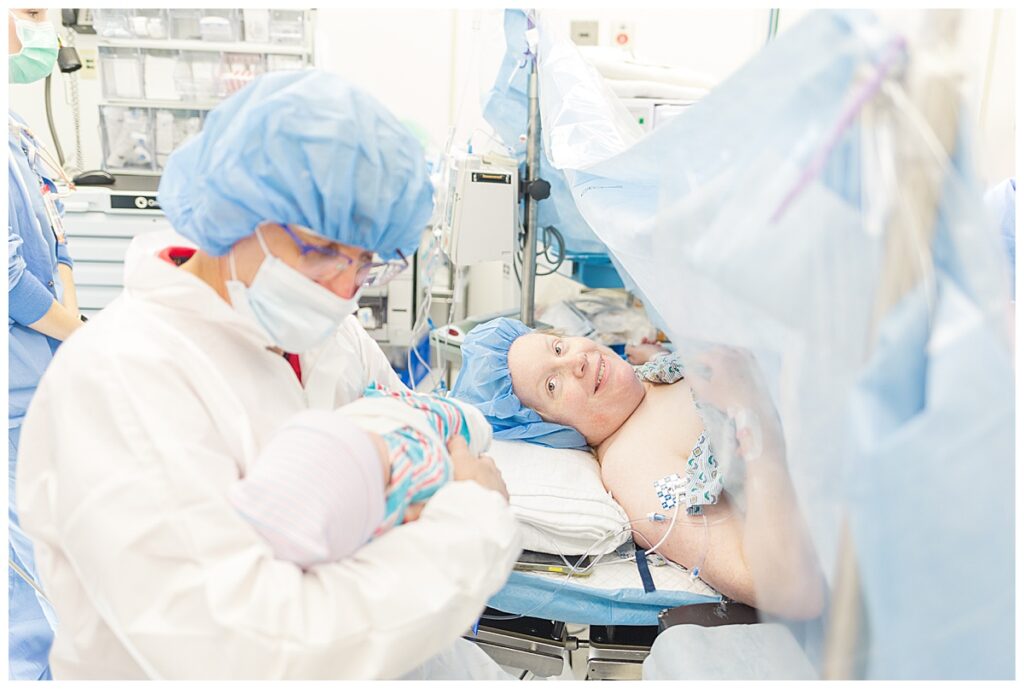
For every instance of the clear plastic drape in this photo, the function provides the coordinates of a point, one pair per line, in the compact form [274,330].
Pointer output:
[762,220]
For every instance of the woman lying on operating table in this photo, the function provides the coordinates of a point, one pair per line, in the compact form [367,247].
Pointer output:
[653,445]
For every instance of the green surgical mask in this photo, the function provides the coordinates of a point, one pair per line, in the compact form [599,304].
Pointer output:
[38,51]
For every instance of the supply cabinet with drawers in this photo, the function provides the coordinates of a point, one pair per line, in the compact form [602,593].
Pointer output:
[162,70]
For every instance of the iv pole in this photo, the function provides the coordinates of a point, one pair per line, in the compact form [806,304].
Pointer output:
[536,190]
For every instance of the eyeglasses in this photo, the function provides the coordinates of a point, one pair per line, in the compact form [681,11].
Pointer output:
[325,263]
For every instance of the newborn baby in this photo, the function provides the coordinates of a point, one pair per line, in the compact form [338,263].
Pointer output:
[328,481]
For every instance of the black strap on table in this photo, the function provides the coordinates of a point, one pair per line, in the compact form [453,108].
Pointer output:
[645,572]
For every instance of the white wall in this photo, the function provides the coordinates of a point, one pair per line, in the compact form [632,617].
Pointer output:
[997,99]
[431,66]
[713,42]
[404,57]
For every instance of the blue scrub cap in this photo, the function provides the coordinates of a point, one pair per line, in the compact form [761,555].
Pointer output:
[304,148]
[485,382]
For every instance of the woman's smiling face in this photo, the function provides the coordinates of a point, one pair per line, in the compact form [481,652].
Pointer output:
[575,382]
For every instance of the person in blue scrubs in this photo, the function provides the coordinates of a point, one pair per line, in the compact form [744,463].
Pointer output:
[42,311]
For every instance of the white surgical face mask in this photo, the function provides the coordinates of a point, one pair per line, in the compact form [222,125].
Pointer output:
[296,313]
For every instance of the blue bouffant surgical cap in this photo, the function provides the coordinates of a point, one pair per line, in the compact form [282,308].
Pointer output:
[304,148]
[485,382]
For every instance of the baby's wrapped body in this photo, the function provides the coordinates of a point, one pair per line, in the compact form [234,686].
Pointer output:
[328,481]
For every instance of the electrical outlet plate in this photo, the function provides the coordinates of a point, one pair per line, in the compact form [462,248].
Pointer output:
[584,32]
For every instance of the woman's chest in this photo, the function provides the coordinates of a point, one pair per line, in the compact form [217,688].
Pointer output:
[660,434]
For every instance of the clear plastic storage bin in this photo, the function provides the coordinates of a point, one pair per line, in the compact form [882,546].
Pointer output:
[127,136]
[160,69]
[287,27]
[256,25]
[149,24]
[172,128]
[238,69]
[184,24]
[281,63]
[122,72]
[112,23]
[197,76]
[223,26]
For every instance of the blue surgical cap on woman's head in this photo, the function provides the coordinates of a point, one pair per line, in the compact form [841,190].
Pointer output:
[485,382]
[303,148]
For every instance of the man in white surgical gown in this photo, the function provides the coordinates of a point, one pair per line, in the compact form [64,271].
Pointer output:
[299,189]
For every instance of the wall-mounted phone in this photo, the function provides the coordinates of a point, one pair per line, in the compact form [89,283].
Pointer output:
[67,58]
[68,62]
[79,21]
